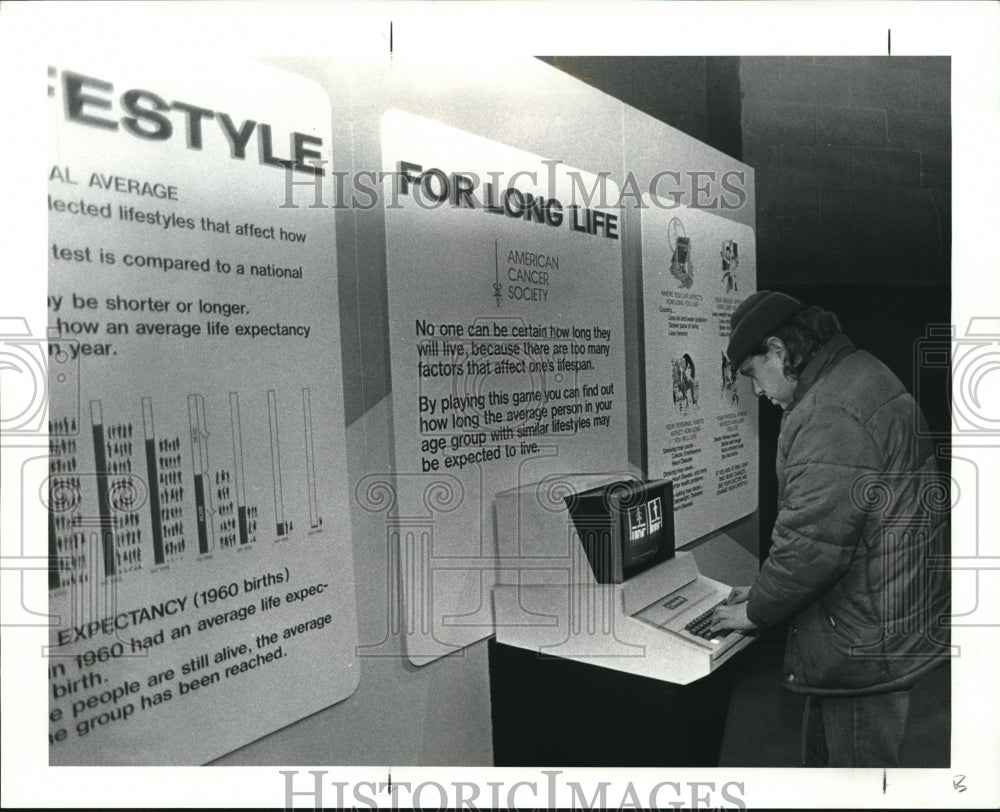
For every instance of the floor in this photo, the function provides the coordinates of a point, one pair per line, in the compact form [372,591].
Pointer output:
[763,727]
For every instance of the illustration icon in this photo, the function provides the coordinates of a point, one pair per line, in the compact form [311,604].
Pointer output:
[681,267]
[729,376]
[730,262]
[685,387]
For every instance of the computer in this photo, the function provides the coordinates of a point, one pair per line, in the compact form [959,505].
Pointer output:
[604,550]
[626,528]
[622,527]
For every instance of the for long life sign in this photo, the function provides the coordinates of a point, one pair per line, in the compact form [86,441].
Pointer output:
[201,589]
[505,307]
[701,417]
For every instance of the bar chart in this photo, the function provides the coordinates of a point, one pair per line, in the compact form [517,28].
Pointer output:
[136,495]
[315,520]
[67,542]
[282,527]
[246,514]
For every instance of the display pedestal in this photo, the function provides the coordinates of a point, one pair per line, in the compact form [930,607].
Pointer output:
[557,712]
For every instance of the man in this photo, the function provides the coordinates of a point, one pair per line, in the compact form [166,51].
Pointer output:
[862,516]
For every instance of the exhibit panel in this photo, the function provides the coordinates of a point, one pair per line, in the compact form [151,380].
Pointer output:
[701,415]
[504,306]
[202,587]
[506,344]
[680,171]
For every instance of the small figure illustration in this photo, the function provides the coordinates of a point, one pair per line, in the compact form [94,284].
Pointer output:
[730,262]
[729,381]
[685,386]
[681,267]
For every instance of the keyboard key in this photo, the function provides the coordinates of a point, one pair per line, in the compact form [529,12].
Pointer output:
[699,627]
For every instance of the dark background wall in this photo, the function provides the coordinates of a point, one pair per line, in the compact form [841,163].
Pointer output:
[698,95]
[852,160]
[853,172]
[852,154]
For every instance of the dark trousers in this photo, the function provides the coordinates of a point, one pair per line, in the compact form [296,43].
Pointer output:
[895,729]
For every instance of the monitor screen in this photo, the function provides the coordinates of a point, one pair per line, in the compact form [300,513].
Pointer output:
[625,527]
[645,525]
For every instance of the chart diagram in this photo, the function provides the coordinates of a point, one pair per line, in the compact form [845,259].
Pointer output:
[118,494]
[67,542]
[246,514]
[315,520]
[282,527]
[166,491]
[135,495]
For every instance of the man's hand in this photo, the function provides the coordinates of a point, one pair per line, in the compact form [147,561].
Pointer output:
[733,613]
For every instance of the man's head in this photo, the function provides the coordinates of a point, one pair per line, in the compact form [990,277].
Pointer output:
[772,337]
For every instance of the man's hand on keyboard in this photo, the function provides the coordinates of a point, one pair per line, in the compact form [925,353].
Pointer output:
[733,616]
[739,594]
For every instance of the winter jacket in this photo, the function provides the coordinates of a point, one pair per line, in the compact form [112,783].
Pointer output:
[860,545]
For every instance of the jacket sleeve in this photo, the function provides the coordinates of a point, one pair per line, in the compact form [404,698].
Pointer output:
[820,520]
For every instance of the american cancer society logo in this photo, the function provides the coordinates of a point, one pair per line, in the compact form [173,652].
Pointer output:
[523,275]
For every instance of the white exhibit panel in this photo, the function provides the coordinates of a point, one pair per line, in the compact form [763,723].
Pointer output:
[506,351]
[701,415]
[202,588]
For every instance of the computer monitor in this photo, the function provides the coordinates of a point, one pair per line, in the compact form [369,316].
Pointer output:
[625,527]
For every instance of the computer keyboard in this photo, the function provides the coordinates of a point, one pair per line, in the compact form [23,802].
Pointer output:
[699,627]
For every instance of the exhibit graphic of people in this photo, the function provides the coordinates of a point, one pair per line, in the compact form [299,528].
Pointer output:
[730,375]
[701,441]
[685,385]
[730,262]
[681,266]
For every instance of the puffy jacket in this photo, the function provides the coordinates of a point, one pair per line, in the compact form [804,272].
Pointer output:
[860,545]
